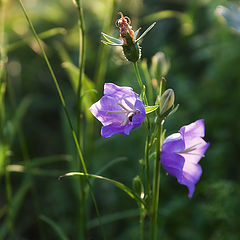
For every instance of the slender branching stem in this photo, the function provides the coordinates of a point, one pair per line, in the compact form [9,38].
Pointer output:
[65,111]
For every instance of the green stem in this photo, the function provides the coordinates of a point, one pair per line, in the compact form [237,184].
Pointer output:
[81,66]
[3,141]
[65,110]
[156,183]
[138,75]
[142,216]
[82,205]
[147,171]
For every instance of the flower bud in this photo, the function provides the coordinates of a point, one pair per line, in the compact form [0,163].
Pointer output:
[131,49]
[138,186]
[166,102]
[160,65]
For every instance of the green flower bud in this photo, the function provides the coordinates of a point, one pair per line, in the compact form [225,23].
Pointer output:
[129,41]
[160,65]
[131,49]
[166,102]
[138,187]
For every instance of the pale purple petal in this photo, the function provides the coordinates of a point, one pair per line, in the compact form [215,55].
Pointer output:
[173,143]
[112,89]
[101,108]
[109,130]
[198,148]
[195,129]
[173,163]
[190,176]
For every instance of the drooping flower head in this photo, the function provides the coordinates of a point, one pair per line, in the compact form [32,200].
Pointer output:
[120,110]
[181,153]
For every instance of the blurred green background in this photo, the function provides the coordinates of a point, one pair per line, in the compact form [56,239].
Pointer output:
[203,54]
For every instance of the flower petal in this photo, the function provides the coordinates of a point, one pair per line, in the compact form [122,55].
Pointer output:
[190,176]
[195,129]
[101,108]
[116,91]
[198,147]
[111,129]
[173,143]
[173,163]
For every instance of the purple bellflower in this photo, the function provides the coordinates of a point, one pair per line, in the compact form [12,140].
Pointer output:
[181,153]
[120,110]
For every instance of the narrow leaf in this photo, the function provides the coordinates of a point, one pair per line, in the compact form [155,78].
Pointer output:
[136,33]
[112,39]
[110,43]
[54,226]
[174,110]
[150,109]
[116,183]
[148,29]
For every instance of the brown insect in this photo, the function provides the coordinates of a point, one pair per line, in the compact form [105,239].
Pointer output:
[124,26]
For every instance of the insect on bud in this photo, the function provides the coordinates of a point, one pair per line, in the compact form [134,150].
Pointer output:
[166,102]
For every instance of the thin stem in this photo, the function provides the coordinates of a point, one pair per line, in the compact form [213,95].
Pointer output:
[82,205]
[156,183]
[138,75]
[147,171]
[146,165]
[3,141]
[81,66]
[65,110]
[142,216]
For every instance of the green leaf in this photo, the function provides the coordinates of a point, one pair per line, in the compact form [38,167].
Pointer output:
[136,33]
[116,183]
[112,39]
[150,109]
[174,110]
[162,15]
[43,35]
[146,31]
[110,43]
[54,226]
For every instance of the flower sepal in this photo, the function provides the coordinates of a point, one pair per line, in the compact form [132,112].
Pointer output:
[150,109]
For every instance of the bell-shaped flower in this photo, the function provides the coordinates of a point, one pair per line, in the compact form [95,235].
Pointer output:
[181,153]
[129,41]
[120,110]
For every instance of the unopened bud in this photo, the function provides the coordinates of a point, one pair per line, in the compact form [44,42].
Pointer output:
[160,65]
[138,186]
[166,101]
[131,49]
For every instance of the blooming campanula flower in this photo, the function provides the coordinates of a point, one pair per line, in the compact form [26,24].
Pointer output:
[120,110]
[181,153]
